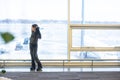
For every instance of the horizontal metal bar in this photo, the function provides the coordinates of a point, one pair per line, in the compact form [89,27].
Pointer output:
[95,49]
[95,26]
[91,63]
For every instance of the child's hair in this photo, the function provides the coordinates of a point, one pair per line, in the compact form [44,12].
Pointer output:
[35,25]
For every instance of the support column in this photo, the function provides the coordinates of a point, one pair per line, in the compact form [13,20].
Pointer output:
[69,31]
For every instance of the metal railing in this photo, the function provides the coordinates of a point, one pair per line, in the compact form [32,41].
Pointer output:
[63,63]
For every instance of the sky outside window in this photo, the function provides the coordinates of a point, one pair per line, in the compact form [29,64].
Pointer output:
[33,9]
[95,10]
[102,10]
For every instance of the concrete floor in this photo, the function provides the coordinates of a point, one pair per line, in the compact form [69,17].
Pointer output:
[62,75]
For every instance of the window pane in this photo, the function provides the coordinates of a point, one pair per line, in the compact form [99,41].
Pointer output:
[102,11]
[75,11]
[50,15]
[95,55]
[96,38]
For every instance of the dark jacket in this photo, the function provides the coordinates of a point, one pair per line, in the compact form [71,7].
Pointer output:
[35,36]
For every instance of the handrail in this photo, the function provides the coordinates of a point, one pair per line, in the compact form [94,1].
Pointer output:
[62,60]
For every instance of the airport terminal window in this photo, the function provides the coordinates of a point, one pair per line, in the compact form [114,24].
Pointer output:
[75,11]
[17,16]
[98,11]
[51,16]
[95,55]
[94,11]
[95,38]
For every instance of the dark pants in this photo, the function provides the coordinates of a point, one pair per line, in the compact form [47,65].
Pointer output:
[34,56]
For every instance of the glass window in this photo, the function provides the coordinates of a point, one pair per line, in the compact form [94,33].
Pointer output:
[17,16]
[75,11]
[101,11]
[95,38]
[95,55]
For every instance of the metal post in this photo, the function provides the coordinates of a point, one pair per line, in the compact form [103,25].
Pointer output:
[82,12]
[82,31]
[69,31]
[63,65]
